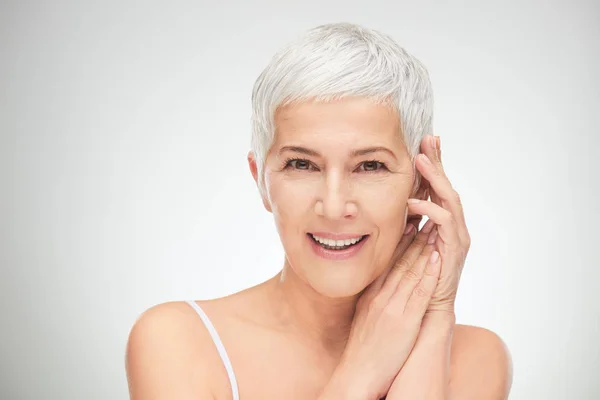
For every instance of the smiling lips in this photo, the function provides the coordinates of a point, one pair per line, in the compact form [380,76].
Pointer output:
[336,246]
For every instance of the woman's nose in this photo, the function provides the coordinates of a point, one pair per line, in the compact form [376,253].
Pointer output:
[335,200]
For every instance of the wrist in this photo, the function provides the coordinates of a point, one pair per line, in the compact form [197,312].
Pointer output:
[441,319]
[343,385]
[437,329]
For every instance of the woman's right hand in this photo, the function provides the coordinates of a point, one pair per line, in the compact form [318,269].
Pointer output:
[388,316]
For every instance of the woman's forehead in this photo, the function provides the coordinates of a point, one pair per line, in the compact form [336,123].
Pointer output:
[356,120]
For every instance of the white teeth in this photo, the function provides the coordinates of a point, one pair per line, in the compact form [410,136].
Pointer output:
[336,243]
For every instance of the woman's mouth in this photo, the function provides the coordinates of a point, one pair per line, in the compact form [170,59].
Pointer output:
[339,244]
[336,247]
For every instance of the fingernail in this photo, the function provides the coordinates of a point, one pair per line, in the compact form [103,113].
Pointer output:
[432,237]
[413,201]
[409,229]
[434,142]
[438,142]
[434,257]
[425,158]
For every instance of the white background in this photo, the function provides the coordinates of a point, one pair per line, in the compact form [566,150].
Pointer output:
[124,129]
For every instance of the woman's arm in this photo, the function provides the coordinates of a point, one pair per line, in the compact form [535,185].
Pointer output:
[343,386]
[454,362]
[426,374]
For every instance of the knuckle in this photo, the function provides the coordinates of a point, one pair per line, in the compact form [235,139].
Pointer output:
[392,312]
[421,292]
[448,218]
[411,275]
[468,241]
[421,239]
[402,265]
[455,196]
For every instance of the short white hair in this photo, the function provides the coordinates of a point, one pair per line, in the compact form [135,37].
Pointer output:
[338,60]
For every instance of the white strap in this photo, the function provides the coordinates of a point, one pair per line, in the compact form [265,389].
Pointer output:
[220,347]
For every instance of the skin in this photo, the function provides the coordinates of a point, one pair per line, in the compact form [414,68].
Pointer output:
[300,320]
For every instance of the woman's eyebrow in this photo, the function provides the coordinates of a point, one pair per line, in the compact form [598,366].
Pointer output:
[299,149]
[355,153]
[370,150]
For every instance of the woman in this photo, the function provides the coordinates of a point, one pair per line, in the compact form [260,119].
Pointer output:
[363,307]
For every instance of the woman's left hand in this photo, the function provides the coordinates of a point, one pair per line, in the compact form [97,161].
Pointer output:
[446,211]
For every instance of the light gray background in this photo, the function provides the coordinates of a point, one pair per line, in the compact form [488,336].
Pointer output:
[124,131]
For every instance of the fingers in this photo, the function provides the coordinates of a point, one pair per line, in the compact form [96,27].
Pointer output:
[422,194]
[405,242]
[442,192]
[432,170]
[418,302]
[412,226]
[446,225]
[417,285]
[407,259]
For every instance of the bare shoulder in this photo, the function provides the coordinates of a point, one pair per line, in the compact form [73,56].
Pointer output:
[169,354]
[481,365]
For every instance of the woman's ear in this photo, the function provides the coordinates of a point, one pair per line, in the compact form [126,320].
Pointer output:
[254,171]
[253,166]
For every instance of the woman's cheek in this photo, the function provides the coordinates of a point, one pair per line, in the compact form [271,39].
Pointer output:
[387,198]
[290,200]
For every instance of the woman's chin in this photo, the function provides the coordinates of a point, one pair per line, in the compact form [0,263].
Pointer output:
[339,285]
[334,279]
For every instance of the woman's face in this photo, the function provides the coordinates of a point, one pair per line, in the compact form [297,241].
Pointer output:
[338,173]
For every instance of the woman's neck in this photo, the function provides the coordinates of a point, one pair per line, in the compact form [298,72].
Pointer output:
[322,321]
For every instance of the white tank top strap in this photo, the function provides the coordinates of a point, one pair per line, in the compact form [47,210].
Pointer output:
[220,347]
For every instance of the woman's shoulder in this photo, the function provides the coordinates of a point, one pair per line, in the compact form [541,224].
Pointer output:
[182,319]
[179,325]
[168,321]
[170,347]
[480,363]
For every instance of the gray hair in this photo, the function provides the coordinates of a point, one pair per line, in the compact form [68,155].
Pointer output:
[339,60]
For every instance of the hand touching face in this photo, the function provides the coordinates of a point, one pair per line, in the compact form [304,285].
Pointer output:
[445,210]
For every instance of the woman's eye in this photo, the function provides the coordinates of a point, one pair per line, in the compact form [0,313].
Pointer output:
[299,164]
[370,166]
[306,165]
